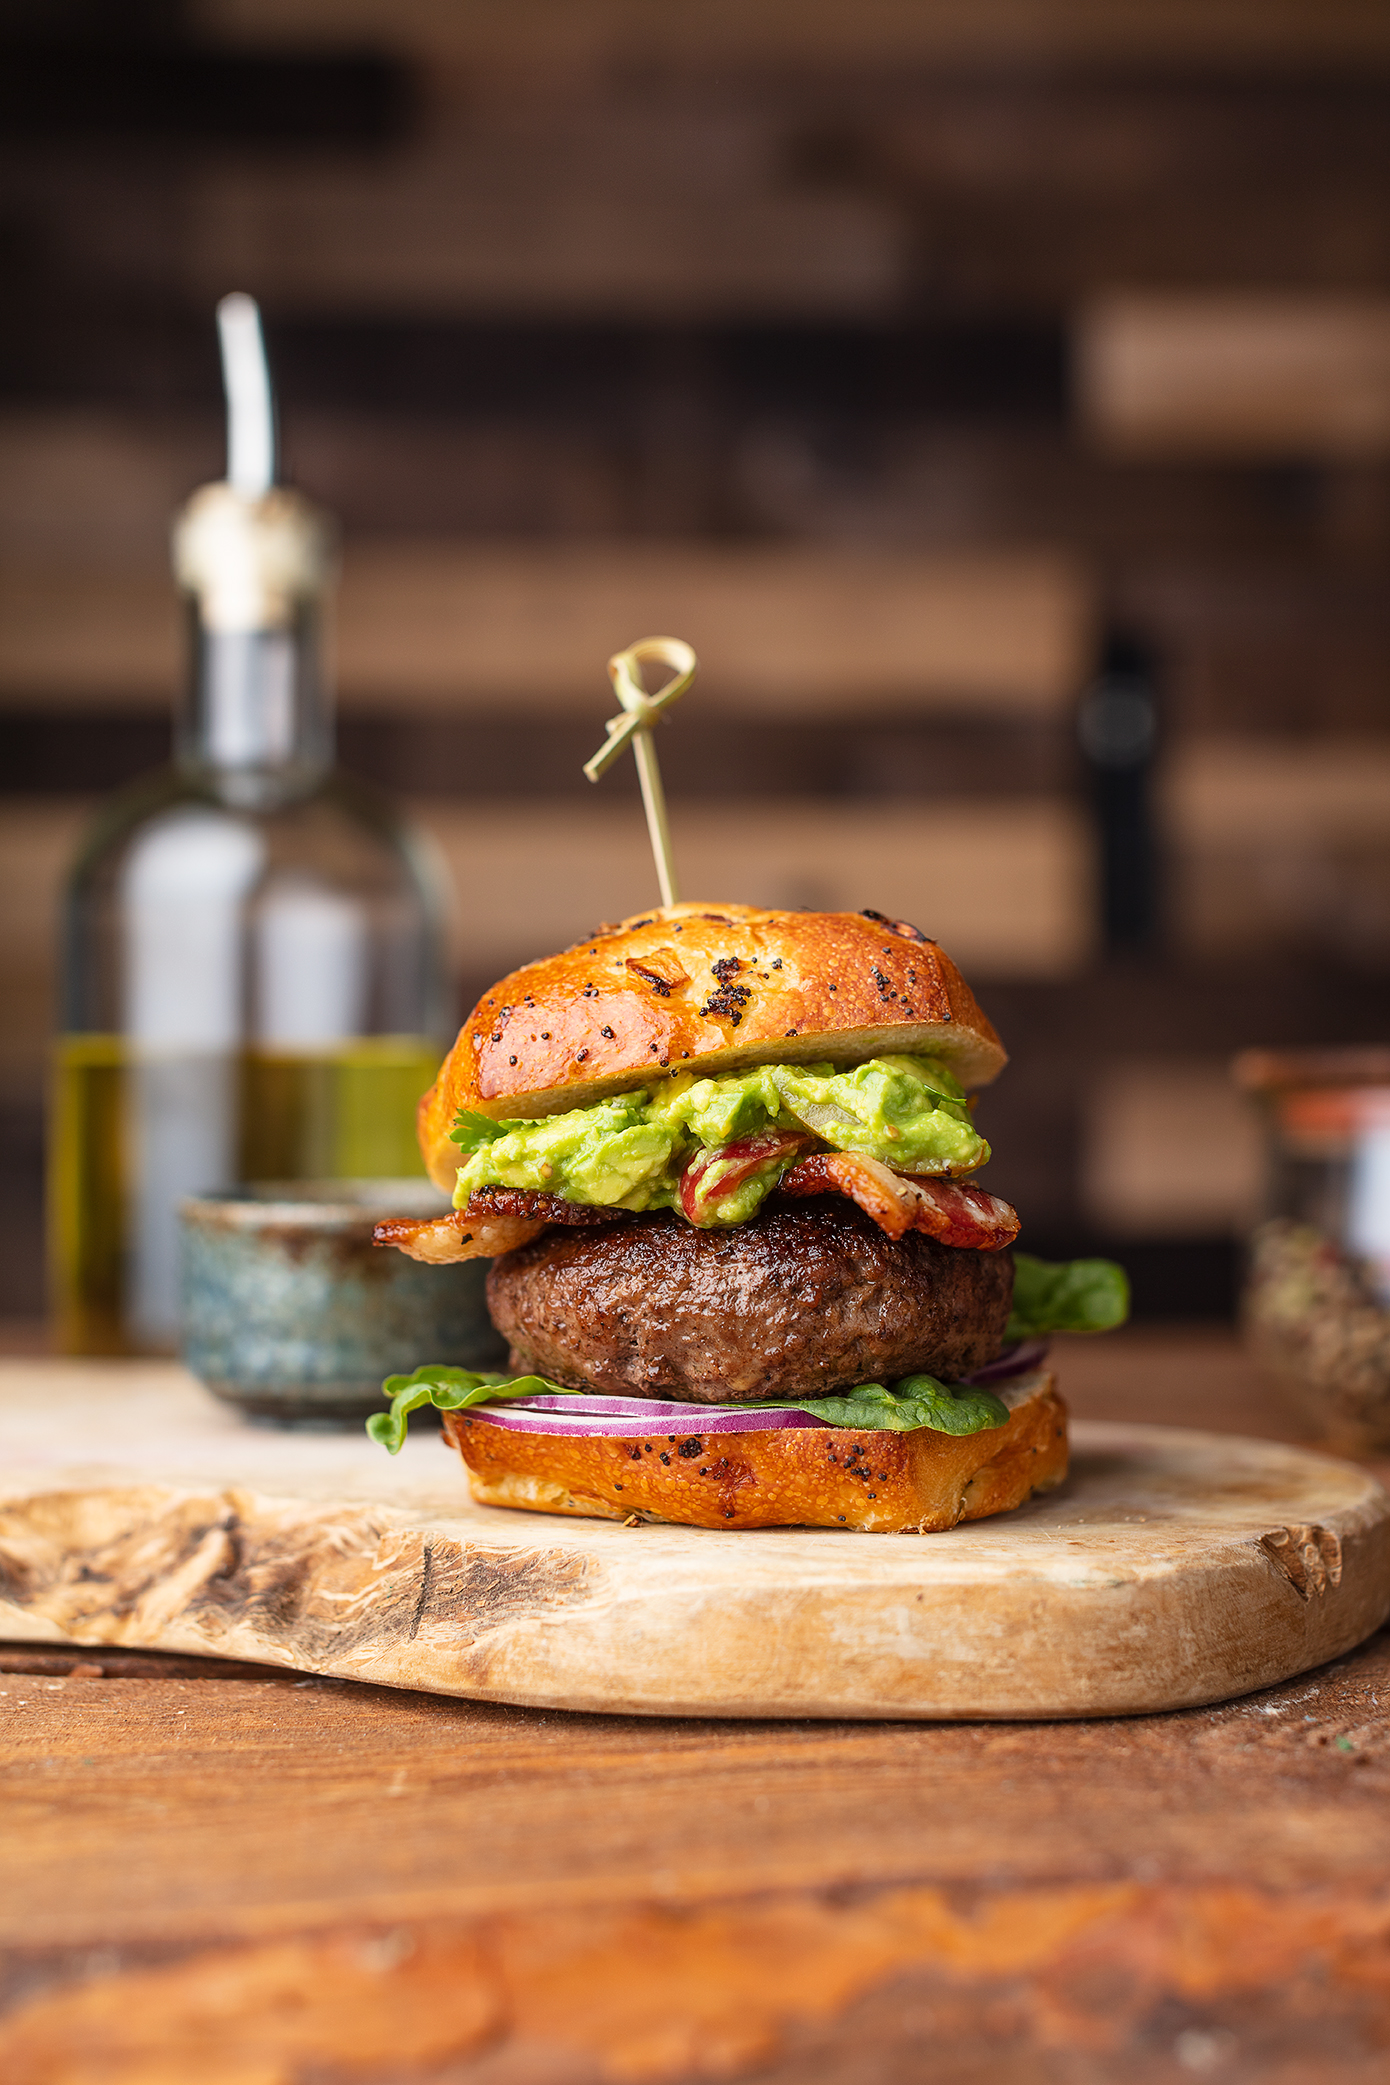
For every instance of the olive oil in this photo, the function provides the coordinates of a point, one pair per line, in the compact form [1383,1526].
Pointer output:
[132,1131]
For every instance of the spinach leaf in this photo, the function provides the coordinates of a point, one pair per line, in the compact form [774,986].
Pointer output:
[471,1131]
[918,1400]
[451,1390]
[915,1401]
[1066,1296]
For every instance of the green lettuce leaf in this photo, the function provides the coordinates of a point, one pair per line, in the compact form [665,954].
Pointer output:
[470,1132]
[918,1400]
[450,1390]
[1066,1296]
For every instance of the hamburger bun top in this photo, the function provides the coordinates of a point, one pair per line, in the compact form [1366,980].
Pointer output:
[705,988]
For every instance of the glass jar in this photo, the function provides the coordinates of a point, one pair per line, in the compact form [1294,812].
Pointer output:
[1316,1305]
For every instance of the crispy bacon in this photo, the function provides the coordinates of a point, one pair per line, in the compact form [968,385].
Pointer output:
[487,1203]
[947,1210]
[496,1220]
[701,1184]
[457,1236]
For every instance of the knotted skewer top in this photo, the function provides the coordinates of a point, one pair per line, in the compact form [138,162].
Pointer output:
[640,713]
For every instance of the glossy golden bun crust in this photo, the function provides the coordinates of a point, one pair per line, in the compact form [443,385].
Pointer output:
[705,988]
[881,1483]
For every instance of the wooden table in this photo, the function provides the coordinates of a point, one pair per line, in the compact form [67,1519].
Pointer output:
[234,1876]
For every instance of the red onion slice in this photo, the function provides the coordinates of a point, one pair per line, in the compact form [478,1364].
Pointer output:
[643,1418]
[634,1418]
[1017,1360]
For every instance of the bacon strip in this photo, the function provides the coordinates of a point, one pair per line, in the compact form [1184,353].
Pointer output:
[496,1220]
[486,1203]
[457,1236]
[946,1210]
[735,1162]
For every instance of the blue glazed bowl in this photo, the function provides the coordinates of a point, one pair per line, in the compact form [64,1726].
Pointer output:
[291,1313]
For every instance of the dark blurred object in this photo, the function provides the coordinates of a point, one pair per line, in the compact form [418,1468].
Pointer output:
[21,1206]
[1118,727]
[1173,1281]
[855,386]
[132,73]
[712,756]
[1317,1295]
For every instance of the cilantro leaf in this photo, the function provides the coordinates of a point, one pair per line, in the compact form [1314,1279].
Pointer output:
[1066,1296]
[471,1131]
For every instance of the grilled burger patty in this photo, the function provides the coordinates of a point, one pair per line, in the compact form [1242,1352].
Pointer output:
[802,1300]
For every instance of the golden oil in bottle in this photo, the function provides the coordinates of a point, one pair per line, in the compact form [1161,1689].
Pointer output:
[131,1131]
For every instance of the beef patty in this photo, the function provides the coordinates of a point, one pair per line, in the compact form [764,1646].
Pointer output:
[803,1300]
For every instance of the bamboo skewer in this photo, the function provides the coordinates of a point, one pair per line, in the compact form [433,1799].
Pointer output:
[640,713]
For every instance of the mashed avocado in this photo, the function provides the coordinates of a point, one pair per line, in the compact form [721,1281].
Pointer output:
[628,1153]
[610,1154]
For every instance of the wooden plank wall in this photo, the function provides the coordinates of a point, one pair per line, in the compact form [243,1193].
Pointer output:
[895,355]
[464,627]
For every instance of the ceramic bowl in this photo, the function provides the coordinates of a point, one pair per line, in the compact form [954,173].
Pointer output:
[291,1313]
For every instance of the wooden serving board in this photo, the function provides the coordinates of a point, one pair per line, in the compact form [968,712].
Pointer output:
[1173,1568]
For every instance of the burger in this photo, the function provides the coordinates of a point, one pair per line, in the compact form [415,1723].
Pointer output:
[723,1163]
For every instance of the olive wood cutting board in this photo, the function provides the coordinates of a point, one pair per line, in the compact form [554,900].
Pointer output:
[1173,1568]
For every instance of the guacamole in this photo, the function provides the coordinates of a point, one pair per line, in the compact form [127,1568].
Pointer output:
[628,1153]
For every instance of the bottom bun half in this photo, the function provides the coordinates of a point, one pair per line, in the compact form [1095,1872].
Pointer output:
[877,1481]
